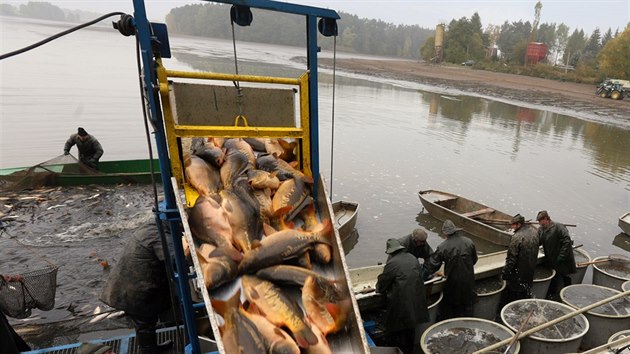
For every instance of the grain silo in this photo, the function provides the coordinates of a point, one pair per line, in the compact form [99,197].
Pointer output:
[439,43]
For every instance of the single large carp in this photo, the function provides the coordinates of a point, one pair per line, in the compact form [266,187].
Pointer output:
[217,264]
[209,222]
[278,308]
[238,333]
[243,214]
[200,175]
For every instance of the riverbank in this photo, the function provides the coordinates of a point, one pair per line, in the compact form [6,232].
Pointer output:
[564,97]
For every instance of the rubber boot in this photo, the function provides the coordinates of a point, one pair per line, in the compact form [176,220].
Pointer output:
[147,342]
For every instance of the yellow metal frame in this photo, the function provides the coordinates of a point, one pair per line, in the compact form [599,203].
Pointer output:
[175,131]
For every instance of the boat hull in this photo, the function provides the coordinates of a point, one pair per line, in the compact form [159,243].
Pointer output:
[475,218]
[345,217]
[624,223]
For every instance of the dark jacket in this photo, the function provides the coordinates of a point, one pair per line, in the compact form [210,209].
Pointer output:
[138,284]
[459,256]
[521,259]
[90,150]
[401,280]
[558,248]
[423,252]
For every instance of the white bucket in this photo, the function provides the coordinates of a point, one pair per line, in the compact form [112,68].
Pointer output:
[581,256]
[625,286]
[474,333]
[542,279]
[488,297]
[564,337]
[604,320]
[610,274]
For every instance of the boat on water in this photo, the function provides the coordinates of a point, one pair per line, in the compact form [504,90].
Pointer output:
[76,174]
[624,223]
[345,217]
[475,218]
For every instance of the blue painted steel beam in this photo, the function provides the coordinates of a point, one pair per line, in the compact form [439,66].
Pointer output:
[283,7]
[143,34]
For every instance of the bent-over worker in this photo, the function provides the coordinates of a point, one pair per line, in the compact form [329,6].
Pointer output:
[402,283]
[416,244]
[90,150]
[520,261]
[138,285]
[459,255]
[558,247]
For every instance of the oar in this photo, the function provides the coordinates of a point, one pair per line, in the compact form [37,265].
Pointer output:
[612,258]
[520,330]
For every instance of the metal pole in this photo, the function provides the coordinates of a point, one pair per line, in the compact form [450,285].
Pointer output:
[311,42]
[553,322]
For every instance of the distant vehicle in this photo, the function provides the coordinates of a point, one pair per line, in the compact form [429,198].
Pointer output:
[610,89]
[469,63]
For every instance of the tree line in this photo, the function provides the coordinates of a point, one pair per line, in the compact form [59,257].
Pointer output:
[46,11]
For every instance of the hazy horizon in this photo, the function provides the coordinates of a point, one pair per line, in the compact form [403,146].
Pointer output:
[586,15]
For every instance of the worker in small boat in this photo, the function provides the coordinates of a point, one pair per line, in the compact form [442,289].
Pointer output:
[459,255]
[138,285]
[416,244]
[520,261]
[90,150]
[558,248]
[402,283]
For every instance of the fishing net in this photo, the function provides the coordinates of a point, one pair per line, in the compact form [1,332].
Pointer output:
[34,289]
[44,173]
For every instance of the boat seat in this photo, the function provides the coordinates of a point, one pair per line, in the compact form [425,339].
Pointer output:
[471,214]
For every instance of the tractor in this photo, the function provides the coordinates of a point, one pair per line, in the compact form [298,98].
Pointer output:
[610,89]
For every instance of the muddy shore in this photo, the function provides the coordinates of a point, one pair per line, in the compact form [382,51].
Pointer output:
[563,97]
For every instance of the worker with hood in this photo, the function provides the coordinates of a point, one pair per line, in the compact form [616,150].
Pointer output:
[402,283]
[416,244]
[459,255]
[90,150]
[558,248]
[520,261]
[139,285]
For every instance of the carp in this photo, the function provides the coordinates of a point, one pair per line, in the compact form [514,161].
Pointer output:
[209,222]
[293,275]
[322,346]
[240,145]
[321,252]
[291,192]
[217,264]
[235,166]
[264,204]
[277,248]
[258,144]
[208,152]
[243,214]
[201,176]
[328,310]
[269,163]
[260,179]
[239,334]
[278,341]
[278,308]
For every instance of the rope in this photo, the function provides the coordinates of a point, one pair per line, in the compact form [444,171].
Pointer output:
[332,142]
[60,34]
[239,91]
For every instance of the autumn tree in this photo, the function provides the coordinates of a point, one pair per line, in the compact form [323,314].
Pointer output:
[613,59]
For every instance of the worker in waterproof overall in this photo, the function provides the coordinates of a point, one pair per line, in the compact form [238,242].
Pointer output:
[10,341]
[558,248]
[520,261]
[138,285]
[90,150]
[459,255]
[416,244]
[402,283]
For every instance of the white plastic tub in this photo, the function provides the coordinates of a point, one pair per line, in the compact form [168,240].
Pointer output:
[542,279]
[581,256]
[488,297]
[610,274]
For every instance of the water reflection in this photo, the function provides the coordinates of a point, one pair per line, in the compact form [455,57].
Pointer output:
[350,241]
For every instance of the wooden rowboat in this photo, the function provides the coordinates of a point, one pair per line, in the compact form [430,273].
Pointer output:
[475,218]
[624,223]
[345,217]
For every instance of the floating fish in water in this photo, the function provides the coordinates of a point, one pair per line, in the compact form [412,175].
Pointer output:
[209,223]
[201,176]
[277,248]
[278,308]
[328,310]
[217,264]
[277,340]
[239,334]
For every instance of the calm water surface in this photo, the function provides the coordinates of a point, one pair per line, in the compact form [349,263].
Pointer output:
[391,138]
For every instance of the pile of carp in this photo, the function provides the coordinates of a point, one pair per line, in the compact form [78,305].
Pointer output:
[256,224]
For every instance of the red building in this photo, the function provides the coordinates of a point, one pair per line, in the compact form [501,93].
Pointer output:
[535,53]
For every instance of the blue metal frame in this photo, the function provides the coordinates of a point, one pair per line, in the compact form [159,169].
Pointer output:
[168,208]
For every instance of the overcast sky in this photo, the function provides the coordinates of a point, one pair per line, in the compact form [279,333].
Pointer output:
[580,14]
